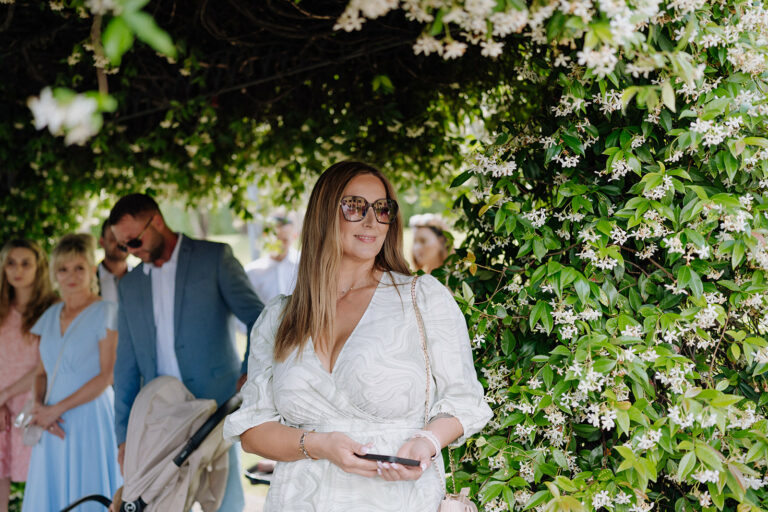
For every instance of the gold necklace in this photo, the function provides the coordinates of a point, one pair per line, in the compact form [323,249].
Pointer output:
[345,291]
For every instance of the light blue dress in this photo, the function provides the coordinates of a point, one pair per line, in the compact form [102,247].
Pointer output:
[62,471]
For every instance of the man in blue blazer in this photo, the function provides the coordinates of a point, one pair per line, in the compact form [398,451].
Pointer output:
[175,317]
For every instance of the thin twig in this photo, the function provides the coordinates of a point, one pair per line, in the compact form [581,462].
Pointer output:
[98,49]
[634,251]
[717,347]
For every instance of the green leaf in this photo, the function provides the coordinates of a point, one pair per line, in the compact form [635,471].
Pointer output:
[668,95]
[145,28]
[686,465]
[537,499]
[708,456]
[460,179]
[117,39]
[738,254]
[582,289]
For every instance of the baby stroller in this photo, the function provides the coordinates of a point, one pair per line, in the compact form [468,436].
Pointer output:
[175,452]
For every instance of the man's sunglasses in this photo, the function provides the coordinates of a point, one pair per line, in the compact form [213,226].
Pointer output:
[354,209]
[135,243]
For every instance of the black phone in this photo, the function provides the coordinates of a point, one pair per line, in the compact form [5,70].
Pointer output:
[390,458]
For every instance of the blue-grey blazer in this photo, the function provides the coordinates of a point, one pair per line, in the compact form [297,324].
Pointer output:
[211,286]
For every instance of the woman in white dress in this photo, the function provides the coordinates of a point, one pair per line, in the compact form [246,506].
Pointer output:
[337,369]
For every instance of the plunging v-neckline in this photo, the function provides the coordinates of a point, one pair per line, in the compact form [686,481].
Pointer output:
[77,316]
[351,334]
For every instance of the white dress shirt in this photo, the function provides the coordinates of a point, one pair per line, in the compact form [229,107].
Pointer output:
[108,283]
[271,278]
[163,295]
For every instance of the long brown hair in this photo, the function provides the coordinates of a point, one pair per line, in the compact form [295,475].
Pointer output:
[42,293]
[311,309]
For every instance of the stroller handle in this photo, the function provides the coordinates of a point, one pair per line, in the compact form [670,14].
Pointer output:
[226,408]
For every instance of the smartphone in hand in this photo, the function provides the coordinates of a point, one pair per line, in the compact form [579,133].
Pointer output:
[390,458]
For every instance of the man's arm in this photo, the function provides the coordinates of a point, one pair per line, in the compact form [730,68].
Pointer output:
[239,295]
[127,375]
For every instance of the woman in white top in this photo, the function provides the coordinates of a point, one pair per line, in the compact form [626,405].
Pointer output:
[337,370]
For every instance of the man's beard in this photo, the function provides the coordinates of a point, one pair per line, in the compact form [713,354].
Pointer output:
[157,252]
[115,256]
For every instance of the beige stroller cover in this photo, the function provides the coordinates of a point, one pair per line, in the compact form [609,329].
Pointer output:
[164,416]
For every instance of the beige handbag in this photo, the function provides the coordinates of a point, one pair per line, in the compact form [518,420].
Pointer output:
[455,502]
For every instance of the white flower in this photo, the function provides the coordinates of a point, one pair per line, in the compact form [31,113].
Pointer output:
[562,60]
[649,440]
[46,111]
[601,499]
[454,50]
[427,44]
[633,331]
[80,111]
[607,420]
[707,475]
[505,23]
[618,235]
[601,62]
[491,48]
[349,21]
[103,6]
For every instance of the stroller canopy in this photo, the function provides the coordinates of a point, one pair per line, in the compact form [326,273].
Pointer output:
[164,416]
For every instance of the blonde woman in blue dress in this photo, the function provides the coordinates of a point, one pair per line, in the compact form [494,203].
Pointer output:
[77,454]
[337,369]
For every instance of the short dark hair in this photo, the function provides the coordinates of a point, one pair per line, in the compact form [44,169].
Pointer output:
[133,205]
[104,226]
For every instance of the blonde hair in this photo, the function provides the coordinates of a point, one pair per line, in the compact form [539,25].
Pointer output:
[42,292]
[311,309]
[75,244]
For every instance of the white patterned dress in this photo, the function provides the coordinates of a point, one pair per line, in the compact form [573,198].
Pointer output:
[374,394]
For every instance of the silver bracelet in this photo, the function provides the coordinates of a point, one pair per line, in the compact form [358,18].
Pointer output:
[432,438]
[303,447]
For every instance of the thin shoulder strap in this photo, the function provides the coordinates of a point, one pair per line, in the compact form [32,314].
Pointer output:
[49,385]
[422,334]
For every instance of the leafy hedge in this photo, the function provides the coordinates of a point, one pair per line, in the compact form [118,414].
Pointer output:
[615,272]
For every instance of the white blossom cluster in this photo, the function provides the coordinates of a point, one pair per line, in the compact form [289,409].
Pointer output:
[493,166]
[77,118]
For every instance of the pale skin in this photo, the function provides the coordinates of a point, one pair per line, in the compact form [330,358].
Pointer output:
[428,249]
[114,258]
[20,268]
[361,242]
[73,276]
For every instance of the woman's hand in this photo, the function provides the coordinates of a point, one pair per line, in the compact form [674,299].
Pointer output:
[417,448]
[48,417]
[340,449]
[5,418]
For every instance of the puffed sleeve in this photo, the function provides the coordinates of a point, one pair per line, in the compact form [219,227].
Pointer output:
[109,315]
[39,328]
[458,392]
[258,402]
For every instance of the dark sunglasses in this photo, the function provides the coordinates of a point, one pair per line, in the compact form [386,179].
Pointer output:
[135,243]
[354,209]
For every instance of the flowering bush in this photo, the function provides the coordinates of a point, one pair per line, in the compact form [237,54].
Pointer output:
[614,271]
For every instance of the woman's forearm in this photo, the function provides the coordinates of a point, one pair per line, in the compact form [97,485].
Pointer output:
[274,441]
[22,385]
[85,393]
[39,387]
[446,428]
